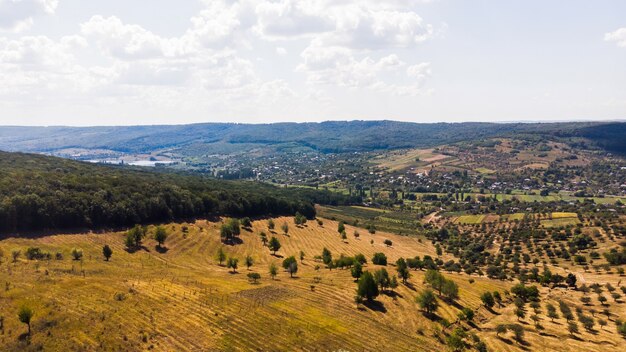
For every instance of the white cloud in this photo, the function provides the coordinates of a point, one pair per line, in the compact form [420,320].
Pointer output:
[18,15]
[618,36]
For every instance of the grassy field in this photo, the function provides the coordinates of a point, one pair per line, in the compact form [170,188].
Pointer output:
[471,219]
[181,299]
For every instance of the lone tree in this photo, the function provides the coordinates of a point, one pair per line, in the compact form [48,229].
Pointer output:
[273,270]
[388,243]
[221,256]
[274,245]
[25,314]
[134,237]
[285,228]
[160,235]
[233,264]
[107,252]
[291,265]
[551,312]
[341,227]
[427,301]
[254,277]
[366,286]
[263,238]
[270,224]
[249,261]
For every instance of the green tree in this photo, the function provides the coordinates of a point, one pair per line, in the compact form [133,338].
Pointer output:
[382,278]
[301,256]
[263,236]
[248,261]
[160,235]
[327,257]
[77,254]
[25,314]
[273,270]
[254,277]
[232,263]
[291,265]
[403,270]
[487,299]
[341,227]
[357,270]
[270,224]
[551,312]
[427,301]
[107,252]
[379,258]
[367,286]
[285,228]
[450,290]
[274,245]
[221,256]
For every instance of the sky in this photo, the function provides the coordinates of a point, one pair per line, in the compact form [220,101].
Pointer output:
[141,62]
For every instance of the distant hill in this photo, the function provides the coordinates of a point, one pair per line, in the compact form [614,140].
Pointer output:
[332,136]
[39,192]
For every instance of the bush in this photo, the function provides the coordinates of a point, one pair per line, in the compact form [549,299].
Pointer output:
[379,258]
[77,254]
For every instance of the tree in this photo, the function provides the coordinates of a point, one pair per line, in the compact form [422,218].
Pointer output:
[501,329]
[551,312]
[270,224]
[77,254]
[388,243]
[427,301]
[357,270]
[274,245]
[571,280]
[273,270]
[285,228]
[248,261]
[134,237]
[450,290]
[341,227]
[301,256]
[293,268]
[366,286]
[566,311]
[393,283]
[435,279]
[379,258]
[232,263]
[572,327]
[254,277]
[520,313]
[497,298]
[230,229]
[107,252]
[160,235]
[291,265]
[263,236]
[327,257]
[466,314]
[382,278]
[403,270]
[487,299]
[246,222]
[221,256]
[25,314]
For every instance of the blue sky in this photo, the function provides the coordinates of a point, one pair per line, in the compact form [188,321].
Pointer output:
[73,62]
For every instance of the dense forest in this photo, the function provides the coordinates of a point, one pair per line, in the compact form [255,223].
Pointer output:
[331,136]
[39,192]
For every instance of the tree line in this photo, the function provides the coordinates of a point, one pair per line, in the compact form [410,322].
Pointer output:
[46,193]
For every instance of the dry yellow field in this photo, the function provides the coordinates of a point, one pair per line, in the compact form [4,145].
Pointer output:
[182,300]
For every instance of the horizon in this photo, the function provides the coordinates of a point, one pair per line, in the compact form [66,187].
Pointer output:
[327,121]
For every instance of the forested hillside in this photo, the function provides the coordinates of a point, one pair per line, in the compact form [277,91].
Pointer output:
[337,136]
[39,192]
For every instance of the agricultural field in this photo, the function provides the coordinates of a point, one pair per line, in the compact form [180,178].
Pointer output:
[180,298]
